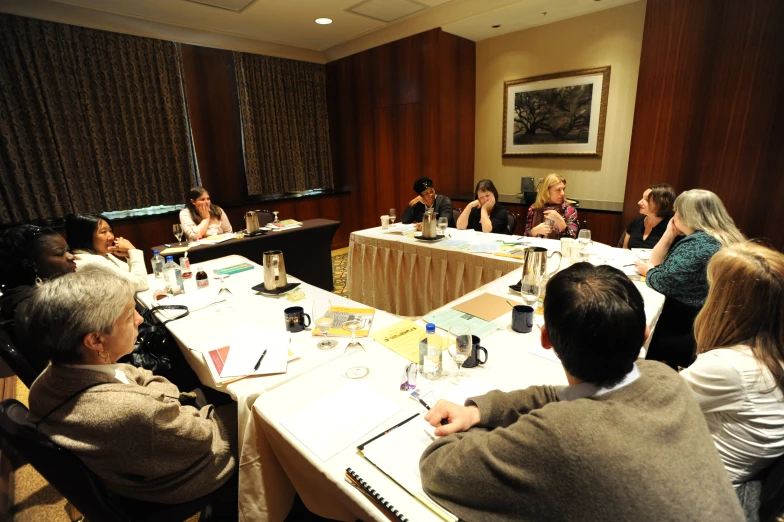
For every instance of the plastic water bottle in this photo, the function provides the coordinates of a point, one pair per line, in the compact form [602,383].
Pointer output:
[430,353]
[157,264]
[168,269]
[178,287]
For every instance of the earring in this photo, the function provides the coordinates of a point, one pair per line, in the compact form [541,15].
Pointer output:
[104,356]
[38,280]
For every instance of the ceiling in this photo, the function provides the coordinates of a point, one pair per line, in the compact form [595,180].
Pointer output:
[287,28]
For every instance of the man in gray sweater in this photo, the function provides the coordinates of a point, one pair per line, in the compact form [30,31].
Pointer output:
[625,441]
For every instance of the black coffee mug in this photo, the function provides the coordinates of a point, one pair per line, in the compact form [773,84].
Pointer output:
[295,319]
[522,318]
[474,359]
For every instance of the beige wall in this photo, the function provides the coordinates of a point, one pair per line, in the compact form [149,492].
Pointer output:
[612,37]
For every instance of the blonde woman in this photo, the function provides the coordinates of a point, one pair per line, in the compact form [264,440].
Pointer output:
[551,216]
[200,218]
[680,272]
[738,377]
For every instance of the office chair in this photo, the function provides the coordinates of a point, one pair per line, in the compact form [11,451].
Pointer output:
[15,359]
[80,486]
[511,223]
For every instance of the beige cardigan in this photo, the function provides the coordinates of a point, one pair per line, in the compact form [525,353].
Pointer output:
[137,437]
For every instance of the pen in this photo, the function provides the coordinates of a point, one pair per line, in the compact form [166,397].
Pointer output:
[629,265]
[444,422]
[258,363]
[167,245]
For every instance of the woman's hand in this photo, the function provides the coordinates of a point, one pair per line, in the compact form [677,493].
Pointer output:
[203,208]
[418,226]
[460,418]
[416,200]
[121,247]
[642,267]
[489,204]
[556,218]
[542,229]
[474,204]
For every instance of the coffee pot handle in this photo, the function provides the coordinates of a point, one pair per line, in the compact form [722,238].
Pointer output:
[560,258]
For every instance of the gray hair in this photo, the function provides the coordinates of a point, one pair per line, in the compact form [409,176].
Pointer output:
[703,210]
[62,311]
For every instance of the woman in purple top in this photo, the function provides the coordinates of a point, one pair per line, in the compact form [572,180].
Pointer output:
[551,216]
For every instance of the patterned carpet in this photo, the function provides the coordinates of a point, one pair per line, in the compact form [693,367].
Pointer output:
[36,501]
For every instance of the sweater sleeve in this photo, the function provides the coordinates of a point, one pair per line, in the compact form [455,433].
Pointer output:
[499,409]
[715,383]
[682,274]
[572,225]
[408,215]
[529,221]
[188,225]
[133,271]
[445,210]
[224,223]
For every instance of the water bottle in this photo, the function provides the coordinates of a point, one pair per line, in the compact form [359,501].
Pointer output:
[430,353]
[178,287]
[168,270]
[157,264]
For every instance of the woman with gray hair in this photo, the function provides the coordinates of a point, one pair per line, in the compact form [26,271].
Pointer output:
[144,438]
[680,272]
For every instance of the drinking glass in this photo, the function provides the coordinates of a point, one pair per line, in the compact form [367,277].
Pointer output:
[324,319]
[392,216]
[460,346]
[177,229]
[275,213]
[584,239]
[443,224]
[224,293]
[529,288]
[354,354]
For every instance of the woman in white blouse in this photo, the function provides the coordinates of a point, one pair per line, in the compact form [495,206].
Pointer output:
[738,377]
[91,237]
[200,218]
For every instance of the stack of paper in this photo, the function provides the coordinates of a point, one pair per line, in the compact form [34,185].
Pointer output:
[240,357]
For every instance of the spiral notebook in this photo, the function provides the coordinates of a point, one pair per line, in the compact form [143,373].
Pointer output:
[356,481]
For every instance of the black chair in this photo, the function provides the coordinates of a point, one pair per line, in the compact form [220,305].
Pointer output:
[13,357]
[455,215]
[80,486]
[772,497]
[265,217]
[511,223]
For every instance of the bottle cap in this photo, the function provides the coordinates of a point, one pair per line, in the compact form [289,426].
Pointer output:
[169,258]
[155,252]
[430,328]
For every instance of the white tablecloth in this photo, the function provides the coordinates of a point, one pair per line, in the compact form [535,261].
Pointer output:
[514,361]
[410,277]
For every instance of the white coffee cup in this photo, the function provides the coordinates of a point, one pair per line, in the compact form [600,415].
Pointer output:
[565,244]
[384,222]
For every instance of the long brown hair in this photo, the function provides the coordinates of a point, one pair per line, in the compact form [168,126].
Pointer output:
[745,305]
[196,193]
[543,197]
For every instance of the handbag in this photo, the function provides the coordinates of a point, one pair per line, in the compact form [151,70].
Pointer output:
[154,342]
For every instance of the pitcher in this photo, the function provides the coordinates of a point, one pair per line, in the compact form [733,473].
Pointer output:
[274,270]
[429,223]
[535,266]
[251,222]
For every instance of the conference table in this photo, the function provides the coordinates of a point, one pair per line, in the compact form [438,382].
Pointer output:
[307,250]
[274,464]
[410,277]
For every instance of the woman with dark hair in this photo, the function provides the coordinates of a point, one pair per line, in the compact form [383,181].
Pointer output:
[92,238]
[200,218]
[551,216]
[656,209]
[28,256]
[484,214]
[738,377]
[427,198]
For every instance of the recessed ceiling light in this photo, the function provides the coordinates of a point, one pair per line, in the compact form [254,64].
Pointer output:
[496,26]
[323,21]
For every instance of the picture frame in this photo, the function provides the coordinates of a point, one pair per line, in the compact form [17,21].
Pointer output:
[561,114]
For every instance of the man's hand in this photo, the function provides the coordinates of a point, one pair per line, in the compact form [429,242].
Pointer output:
[460,418]
[416,200]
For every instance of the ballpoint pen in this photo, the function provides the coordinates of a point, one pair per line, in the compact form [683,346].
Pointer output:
[258,363]
[444,422]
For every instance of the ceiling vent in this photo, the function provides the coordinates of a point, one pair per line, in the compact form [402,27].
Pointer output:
[386,10]
[229,5]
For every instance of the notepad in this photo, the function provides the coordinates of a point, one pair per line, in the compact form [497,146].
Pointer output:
[355,480]
[246,349]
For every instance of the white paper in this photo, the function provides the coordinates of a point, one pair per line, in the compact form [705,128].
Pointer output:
[214,240]
[399,229]
[194,300]
[643,253]
[462,235]
[544,353]
[332,423]
[482,248]
[246,345]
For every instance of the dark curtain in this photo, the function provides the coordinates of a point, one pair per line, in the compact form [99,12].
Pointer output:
[90,121]
[284,121]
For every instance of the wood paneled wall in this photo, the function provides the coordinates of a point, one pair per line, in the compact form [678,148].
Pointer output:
[709,108]
[398,112]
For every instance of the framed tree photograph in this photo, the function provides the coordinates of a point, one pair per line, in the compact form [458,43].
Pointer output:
[560,114]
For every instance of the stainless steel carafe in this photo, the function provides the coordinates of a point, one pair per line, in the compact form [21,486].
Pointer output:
[535,265]
[274,270]
[429,222]
[251,222]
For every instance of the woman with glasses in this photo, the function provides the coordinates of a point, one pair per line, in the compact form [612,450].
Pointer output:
[551,216]
[484,214]
[427,198]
